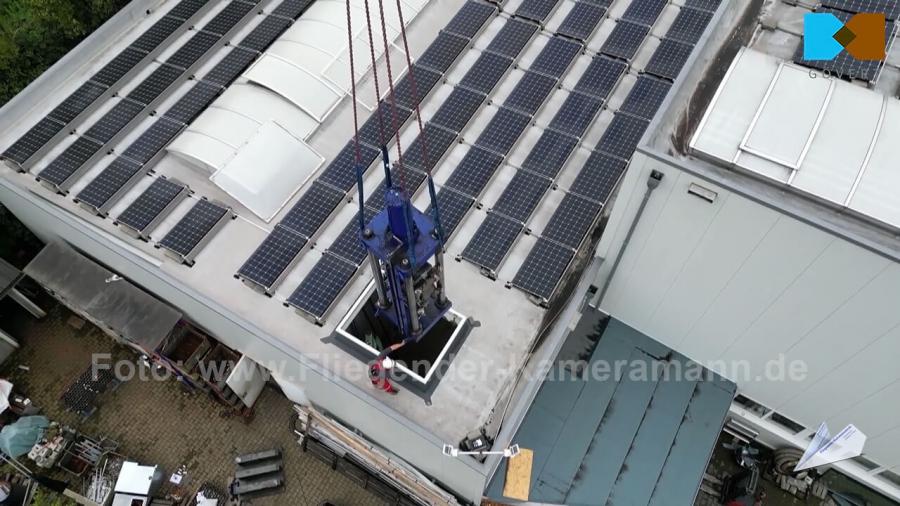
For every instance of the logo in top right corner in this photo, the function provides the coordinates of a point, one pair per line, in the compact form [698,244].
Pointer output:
[825,36]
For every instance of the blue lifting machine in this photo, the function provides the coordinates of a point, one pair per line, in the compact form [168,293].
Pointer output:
[405,246]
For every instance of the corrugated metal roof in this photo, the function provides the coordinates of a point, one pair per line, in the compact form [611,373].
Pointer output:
[638,430]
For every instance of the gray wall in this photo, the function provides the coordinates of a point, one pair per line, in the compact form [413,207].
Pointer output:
[737,281]
[354,407]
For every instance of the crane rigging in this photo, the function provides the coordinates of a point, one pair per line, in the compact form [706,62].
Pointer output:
[405,246]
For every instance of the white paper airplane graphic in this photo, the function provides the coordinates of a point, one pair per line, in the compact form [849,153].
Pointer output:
[825,449]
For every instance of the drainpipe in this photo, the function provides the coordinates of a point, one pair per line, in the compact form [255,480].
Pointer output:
[652,184]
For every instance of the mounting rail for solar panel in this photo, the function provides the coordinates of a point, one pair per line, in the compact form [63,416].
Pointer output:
[188,259]
[112,90]
[144,234]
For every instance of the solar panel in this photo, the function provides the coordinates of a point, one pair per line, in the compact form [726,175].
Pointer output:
[187,8]
[598,177]
[322,286]
[114,121]
[844,65]
[67,164]
[576,114]
[312,209]
[600,77]
[502,132]
[543,268]
[492,241]
[425,81]
[157,34]
[118,67]
[549,153]
[230,67]
[152,205]
[536,10]
[193,49]
[457,109]
[689,25]
[470,18]
[153,140]
[646,96]
[486,72]
[890,8]
[531,91]
[436,140]
[668,59]
[348,245]
[443,52]
[622,135]
[572,220]
[474,171]
[521,196]
[453,207]
[227,18]
[273,257]
[512,37]
[291,8]
[644,12]
[155,84]
[341,172]
[101,190]
[711,5]
[33,140]
[625,40]
[581,21]
[77,102]
[188,236]
[265,33]
[193,103]
[556,57]
[601,3]
[371,131]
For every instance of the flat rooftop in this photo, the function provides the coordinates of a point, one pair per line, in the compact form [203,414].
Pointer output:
[576,75]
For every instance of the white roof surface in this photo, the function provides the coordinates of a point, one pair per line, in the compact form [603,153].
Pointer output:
[826,137]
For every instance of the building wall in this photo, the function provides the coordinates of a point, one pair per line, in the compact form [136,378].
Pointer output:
[350,405]
[746,289]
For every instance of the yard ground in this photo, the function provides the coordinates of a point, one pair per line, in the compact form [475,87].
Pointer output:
[158,422]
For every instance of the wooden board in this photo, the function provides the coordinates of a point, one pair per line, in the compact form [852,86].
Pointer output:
[518,476]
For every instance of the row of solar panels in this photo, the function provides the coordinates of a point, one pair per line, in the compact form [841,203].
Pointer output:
[205,217]
[126,63]
[546,264]
[326,281]
[271,261]
[63,171]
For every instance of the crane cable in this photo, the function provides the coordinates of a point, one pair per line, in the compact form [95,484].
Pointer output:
[393,105]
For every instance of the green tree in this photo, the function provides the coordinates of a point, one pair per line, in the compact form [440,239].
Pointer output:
[36,33]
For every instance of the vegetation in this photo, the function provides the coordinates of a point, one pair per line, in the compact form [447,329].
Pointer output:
[36,33]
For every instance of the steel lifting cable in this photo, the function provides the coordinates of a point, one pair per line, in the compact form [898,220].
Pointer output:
[390,75]
[422,135]
[358,152]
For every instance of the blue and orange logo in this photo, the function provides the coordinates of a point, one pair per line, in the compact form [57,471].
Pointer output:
[825,36]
